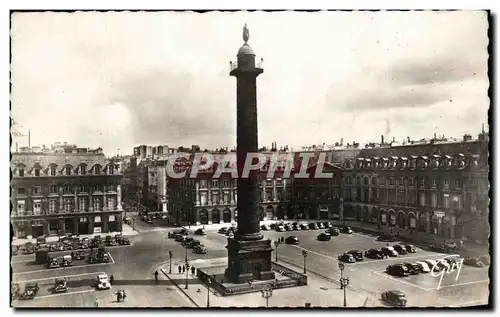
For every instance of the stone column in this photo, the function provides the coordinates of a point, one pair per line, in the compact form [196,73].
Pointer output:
[221,216]
[197,216]
[61,202]
[76,222]
[76,207]
[209,216]
[104,202]
[275,194]
[197,194]
[318,214]
[119,197]
[428,224]
[209,196]
[105,228]
[91,224]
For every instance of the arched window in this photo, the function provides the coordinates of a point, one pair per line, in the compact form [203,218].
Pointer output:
[97,170]
[37,172]
[111,169]
[68,170]
[53,170]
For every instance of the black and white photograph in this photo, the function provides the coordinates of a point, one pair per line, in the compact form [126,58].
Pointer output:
[250,159]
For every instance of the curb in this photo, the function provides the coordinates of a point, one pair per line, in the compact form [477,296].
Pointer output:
[180,288]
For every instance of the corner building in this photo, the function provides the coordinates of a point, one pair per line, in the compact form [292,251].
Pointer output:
[58,193]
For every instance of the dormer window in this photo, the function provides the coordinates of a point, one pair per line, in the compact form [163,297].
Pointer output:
[68,170]
[52,170]
[37,172]
[111,170]
[21,172]
[97,170]
[82,170]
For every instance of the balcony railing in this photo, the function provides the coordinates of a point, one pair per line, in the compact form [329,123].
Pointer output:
[234,65]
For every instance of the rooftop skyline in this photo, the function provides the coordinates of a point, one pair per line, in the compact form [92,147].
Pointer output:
[116,80]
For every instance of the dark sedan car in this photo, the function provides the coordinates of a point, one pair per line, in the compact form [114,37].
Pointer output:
[303,226]
[413,269]
[441,248]
[223,230]
[389,251]
[324,237]
[265,227]
[410,248]
[296,227]
[397,270]
[334,231]
[320,225]
[394,298]
[400,249]
[387,238]
[288,227]
[358,255]
[346,257]
[313,226]
[471,261]
[374,254]
[346,229]
[200,232]
[292,240]
[327,224]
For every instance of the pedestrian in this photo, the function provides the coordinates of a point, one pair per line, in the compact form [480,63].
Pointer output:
[111,279]
[461,244]
[193,270]
[183,269]
[180,269]
[96,303]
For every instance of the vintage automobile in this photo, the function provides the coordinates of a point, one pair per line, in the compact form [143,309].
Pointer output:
[30,291]
[280,228]
[200,249]
[324,237]
[320,225]
[53,263]
[441,248]
[125,241]
[346,257]
[358,255]
[327,224]
[400,249]
[187,242]
[424,267]
[112,243]
[303,226]
[223,230]
[387,238]
[394,298]
[334,231]
[67,261]
[127,220]
[397,270]
[79,255]
[389,251]
[410,248]
[313,226]
[200,232]
[60,286]
[292,240]
[346,229]
[473,261]
[265,227]
[413,268]
[104,258]
[15,290]
[374,254]
[288,227]
[103,282]
[432,264]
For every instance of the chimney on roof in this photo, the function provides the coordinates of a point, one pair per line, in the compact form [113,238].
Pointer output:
[434,135]
[394,139]
[382,139]
[341,141]
[408,138]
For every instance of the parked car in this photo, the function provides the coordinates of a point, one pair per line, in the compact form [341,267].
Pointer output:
[67,261]
[397,270]
[200,232]
[413,268]
[324,237]
[346,229]
[346,257]
[187,242]
[184,231]
[30,291]
[424,267]
[265,227]
[336,216]
[223,230]
[53,263]
[453,261]
[125,241]
[473,261]
[400,249]
[15,290]
[389,251]
[273,226]
[313,226]
[334,231]
[127,220]
[358,255]
[327,224]
[280,228]
[296,227]
[441,248]
[304,226]
[60,286]
[288,227]
[112,242]
[79,255]
[387,238]
[200,249]
[410,248]
[103,282]
[394,298]
[292,240]
[431,264]
[194,243]
[374,254]
[444,265]
[320,225]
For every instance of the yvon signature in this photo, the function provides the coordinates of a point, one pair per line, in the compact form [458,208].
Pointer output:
[443,267]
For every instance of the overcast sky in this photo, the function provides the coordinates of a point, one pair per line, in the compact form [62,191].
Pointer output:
[117,80]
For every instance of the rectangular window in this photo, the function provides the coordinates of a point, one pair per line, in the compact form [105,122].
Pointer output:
[37,172]
[67,189]
[37,207]
[21,191]
[82,170]
[52,171]
[97,204]
[68,171]
[446,201]
[458,184]
[37,190]
[434,200]
[422,199]
[433,182]
[215,184]
[410,181]
[111,203]
[53,189]
[225,183]
[391,181]
[401,182]
[445,183]
[83,204]
[111,170]
[21,172]
[21,210]
[203,183]
[52,205]
[67,205]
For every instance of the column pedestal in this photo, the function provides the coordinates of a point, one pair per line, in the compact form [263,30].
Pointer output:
[249,260]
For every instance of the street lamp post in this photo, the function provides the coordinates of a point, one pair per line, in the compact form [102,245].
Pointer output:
[267,293]
[344,281]
[170,265]
[187,267]
[304,254]
[276,244]
[209,282]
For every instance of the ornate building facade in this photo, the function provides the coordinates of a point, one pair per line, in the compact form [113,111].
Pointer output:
[439,188]
[57,193]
